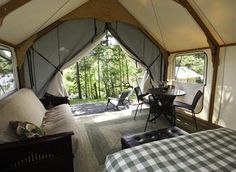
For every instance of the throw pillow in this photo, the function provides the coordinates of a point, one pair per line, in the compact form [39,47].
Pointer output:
[26,130]
[50,100]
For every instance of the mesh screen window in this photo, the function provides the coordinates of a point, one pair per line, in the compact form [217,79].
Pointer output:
[7,77]
[191,67]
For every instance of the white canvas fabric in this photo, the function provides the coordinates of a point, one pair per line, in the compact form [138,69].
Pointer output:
[57,86]
[60,119]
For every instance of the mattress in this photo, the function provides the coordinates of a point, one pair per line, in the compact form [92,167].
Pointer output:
[210,150]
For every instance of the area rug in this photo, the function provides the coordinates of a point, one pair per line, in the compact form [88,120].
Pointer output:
[100,134]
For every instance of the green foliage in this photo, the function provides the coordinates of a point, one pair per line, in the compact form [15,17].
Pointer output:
[5,66]
[104,72]
[70,77]
[194,62]
[6,72]
[78,101]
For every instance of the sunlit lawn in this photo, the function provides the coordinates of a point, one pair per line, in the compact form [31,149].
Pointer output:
[79,101]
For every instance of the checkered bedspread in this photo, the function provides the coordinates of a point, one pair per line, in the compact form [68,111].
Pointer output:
[212,150]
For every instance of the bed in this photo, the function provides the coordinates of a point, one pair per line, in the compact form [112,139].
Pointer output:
[211,150]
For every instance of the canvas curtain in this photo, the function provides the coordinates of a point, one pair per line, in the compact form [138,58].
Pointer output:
[58,46]
[56,86]
[73,40]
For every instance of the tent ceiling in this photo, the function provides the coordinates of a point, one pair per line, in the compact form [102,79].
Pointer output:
[2,2]
[33,17]
[167,21]
[221,15]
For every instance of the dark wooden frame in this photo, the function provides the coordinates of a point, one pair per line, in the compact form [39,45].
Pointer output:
[44,154]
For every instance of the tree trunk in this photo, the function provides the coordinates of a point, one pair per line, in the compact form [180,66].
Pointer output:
[123,72]
[120,71]
[90,84]
[96,91]
[106,89]
[99,79]
[85,79]
[78,81]
[127,72]
[107,77]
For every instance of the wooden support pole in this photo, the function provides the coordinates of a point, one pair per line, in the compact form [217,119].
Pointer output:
[215,52]
[166,65]
[9,7]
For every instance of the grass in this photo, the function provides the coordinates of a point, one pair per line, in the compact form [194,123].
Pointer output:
[79,101]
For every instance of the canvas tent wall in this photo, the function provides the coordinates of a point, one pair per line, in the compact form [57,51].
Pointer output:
[48,55]
[176,25]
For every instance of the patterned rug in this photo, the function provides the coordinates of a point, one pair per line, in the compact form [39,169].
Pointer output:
[101,129]
[100,134]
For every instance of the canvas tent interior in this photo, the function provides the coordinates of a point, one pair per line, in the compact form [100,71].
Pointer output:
[66,44]
[166,28]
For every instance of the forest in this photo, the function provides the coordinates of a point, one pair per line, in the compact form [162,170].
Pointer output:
[105,72]
[108,70]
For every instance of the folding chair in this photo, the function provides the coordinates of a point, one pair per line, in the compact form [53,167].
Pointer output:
[119,101]
[140,98]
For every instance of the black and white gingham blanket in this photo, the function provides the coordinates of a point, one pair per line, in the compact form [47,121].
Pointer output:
[212,150]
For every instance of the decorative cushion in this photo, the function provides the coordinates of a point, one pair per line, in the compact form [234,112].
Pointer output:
[50,100]
[26,130]
[22,105]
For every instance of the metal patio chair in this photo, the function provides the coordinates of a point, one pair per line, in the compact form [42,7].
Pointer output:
[155,109]
[191,107]
[140,98]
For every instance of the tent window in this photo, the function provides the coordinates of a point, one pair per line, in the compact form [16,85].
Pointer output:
[190,67]
[7,77]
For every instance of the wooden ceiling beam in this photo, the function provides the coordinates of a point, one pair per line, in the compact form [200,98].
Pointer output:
[9,7]
[189,50]
[104,10]
[215,51]
[7,43]
[199,21]
[5,10]
[108,11]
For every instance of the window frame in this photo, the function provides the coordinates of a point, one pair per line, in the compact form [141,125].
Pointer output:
[191,53]
[14,70]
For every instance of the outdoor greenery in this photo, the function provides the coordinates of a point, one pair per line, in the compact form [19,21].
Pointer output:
[6,72]
[79,101]
[106,71]
[195,63]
